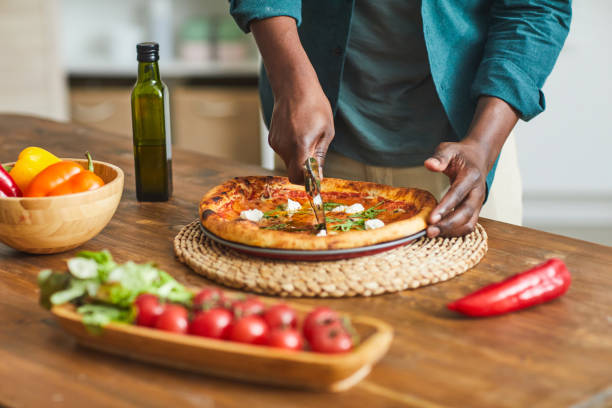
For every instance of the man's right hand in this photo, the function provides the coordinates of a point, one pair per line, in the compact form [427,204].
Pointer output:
[302,126]
[302,122]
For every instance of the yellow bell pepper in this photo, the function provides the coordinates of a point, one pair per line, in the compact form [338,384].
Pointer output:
[31,161]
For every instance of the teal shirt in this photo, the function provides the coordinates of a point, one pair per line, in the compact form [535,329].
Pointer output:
[501,48]
[389,113]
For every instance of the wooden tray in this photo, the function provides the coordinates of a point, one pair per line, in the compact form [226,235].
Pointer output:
[260,364]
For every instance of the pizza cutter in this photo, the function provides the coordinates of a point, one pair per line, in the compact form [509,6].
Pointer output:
[312,183]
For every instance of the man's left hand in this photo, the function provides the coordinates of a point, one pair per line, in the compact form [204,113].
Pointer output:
[465,165]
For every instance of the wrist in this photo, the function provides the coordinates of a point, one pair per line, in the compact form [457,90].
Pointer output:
[294,84]
[484,151]
[493,121]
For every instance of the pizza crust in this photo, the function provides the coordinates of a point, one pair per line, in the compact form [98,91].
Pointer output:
[235,192]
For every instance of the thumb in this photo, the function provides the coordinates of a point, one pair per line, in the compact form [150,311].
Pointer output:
[320,150]
[319,155]
[440,159]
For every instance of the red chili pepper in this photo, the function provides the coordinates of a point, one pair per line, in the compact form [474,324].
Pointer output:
[8,187]
[534,286]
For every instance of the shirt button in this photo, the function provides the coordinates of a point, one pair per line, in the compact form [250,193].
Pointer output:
[338,51]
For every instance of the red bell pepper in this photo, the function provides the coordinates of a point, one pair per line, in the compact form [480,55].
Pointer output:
[534,286]
[8,187]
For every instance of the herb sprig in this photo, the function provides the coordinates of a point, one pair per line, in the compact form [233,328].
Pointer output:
[276,227]
[355,221]
[372,212]
[328,206]
[346,224]
[274,212]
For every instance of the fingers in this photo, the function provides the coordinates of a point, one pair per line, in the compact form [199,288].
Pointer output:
[320,150]
[301,127]
[310,146]
[441,158]
[297,158]
[457,212]
[295,162]
[462,220]
[294,172]
[465,181]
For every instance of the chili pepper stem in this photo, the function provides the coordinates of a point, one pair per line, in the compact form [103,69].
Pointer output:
[89,162]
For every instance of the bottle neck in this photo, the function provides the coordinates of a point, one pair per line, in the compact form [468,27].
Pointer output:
[148,71]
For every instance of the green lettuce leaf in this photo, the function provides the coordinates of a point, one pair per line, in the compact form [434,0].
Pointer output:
[104,259]
[49,283]
[96,316]
[83,268]
[75,290]
[94,276]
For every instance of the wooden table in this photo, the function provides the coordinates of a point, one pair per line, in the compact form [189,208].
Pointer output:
[555,355]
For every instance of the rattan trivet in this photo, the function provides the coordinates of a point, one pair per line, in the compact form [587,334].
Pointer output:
[423,262]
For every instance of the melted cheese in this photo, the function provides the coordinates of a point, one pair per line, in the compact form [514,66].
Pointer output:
[292,206]
[251,215]
[373,224]
[353,209]
[340,208]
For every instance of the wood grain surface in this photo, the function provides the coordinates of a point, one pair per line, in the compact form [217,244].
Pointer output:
[555,355]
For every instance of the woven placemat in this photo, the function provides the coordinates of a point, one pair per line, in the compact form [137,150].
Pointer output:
[423,262]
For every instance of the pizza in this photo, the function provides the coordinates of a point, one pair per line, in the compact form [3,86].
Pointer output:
[270,212]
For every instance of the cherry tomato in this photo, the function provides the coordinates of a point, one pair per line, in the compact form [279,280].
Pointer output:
[173,319]
[248,306]
[280,315]
[149,309]
[331,339]
[251,329]
[289,339]
[214,323]
[208,298]
[321,316]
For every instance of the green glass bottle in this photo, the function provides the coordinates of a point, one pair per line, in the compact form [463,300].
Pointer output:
[151,128]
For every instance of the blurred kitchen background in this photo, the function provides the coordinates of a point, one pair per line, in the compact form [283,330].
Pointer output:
[75,60]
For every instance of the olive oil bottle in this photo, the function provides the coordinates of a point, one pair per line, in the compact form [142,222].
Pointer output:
[151,128]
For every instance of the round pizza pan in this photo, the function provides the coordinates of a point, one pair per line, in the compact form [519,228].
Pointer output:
[314,255]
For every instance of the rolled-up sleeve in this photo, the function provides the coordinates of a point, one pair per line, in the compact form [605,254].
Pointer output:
[245,11]
[524,40]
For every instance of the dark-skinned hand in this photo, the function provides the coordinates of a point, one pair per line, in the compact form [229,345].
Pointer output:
[465,165]
[302,126]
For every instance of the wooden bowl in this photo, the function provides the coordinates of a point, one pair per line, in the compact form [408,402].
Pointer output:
[47,225]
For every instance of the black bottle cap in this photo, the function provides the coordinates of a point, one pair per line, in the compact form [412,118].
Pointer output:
[147,52]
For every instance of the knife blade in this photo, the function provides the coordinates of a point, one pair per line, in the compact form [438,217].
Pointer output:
[312,184]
